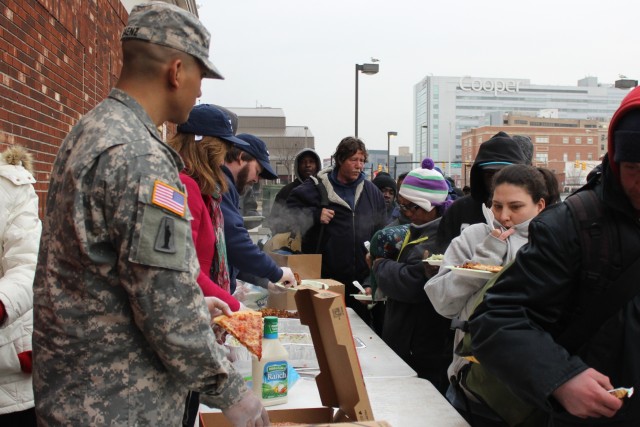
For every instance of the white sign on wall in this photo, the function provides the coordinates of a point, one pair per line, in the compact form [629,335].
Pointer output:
[496,86]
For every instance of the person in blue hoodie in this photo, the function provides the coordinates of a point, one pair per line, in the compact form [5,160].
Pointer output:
[355,211]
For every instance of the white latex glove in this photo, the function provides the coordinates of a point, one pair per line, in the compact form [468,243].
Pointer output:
[248,412]
[217,307]
[287,279]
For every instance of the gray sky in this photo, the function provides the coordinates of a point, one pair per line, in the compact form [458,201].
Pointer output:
[300,55]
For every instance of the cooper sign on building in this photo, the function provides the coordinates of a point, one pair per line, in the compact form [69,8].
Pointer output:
[469,84]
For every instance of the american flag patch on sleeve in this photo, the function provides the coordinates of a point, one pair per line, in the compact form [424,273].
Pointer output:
[168,197]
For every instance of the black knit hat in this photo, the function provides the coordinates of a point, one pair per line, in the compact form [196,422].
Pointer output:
[383,180]
[627,138]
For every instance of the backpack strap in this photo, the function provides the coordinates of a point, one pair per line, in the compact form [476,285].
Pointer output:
[600,296]
[595,241]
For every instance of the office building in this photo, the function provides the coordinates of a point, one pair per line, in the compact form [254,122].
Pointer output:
[283,142]
[445,107]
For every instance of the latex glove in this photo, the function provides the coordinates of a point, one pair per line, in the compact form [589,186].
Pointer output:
[248,412]
[287,279]
[217,307]
[585,395]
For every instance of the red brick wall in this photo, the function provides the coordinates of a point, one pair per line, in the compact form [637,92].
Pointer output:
[59,59]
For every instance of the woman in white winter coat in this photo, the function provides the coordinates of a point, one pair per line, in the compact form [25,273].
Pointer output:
[19,239]
[520,192]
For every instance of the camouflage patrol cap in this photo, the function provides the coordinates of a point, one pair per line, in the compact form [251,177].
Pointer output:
[168,25]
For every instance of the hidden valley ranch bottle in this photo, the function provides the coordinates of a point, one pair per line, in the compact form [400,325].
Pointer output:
[271,373]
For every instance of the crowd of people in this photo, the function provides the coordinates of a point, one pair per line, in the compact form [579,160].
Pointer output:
[143,241]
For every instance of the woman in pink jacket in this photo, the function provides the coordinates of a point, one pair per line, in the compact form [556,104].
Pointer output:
[202,142]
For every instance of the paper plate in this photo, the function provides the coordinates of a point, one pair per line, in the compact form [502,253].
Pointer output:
[309,283]
[437,262]
[469,272]
[361,297]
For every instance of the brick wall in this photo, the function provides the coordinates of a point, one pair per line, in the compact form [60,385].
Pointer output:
[59,58]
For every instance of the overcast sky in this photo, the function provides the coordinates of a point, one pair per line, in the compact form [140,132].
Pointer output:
[300,55]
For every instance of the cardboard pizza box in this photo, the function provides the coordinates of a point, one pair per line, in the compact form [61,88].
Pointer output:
[307,266]
[286,300]
[340,382]
[306,417]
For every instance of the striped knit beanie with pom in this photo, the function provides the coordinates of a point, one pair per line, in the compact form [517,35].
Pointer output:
[425,186]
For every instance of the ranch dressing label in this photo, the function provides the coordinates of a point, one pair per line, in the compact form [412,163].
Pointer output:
[274,380]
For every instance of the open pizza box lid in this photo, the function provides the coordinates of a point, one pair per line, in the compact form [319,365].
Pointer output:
[340,381]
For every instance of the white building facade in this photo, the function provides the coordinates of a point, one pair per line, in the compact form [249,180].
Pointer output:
[444,107]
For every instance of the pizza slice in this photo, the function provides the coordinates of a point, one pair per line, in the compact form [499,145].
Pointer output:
[483,267]
[246,327]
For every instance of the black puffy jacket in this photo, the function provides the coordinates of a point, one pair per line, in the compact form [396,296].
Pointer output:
[532,303]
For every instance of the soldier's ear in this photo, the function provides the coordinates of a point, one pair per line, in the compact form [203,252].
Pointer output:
[174,73]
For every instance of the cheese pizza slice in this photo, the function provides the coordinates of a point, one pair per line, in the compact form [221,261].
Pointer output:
[246,327]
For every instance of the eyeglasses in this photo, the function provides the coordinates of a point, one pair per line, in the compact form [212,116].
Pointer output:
[410,207]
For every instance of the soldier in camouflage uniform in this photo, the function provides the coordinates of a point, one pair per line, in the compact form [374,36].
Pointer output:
[122,330]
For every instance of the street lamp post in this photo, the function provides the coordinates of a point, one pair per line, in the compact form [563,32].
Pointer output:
[366,69]
[389,135]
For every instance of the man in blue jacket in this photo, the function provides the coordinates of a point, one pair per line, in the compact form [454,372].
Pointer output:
[354,211]
[243,166]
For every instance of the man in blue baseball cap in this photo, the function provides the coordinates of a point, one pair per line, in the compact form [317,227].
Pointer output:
[243,166]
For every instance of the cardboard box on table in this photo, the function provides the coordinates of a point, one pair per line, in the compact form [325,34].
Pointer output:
[340,382]
[286,300]
[307,266]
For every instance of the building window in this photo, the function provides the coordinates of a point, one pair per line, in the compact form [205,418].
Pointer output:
[578,156]
[542,157]
[542,139]
[578,140]
[589,140]
[589,156]
[479,140]
[565,139]
[565,157]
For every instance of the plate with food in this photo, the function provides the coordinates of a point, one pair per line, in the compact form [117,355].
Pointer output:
[305,283]
[362,297]
[475,269]
[436,259]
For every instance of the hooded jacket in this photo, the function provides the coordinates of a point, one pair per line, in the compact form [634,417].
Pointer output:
[412,327]
[535,299]
[279,220]
[20,230]
[342,241]
[467,210]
